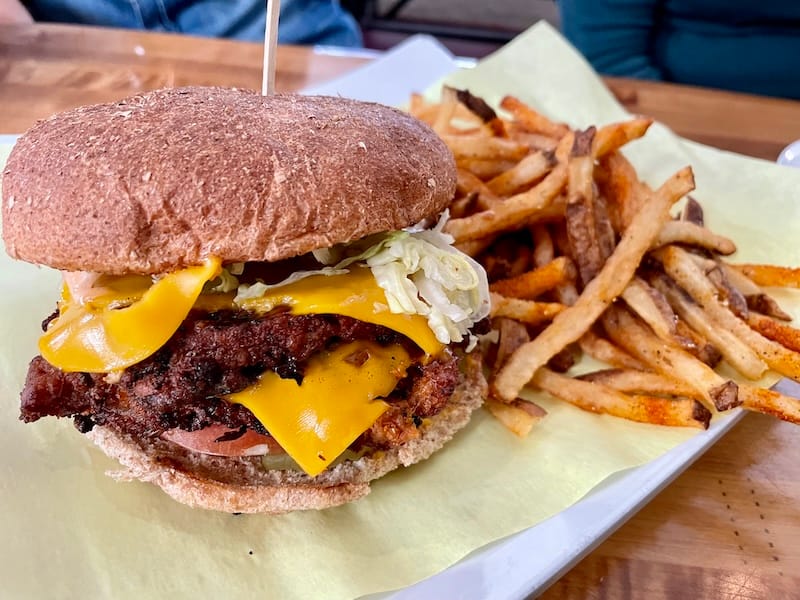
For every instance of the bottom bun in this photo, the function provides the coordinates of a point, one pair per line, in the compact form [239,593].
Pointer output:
[242,485]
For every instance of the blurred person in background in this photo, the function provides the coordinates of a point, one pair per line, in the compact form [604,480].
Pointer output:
[741,45]
[301,21]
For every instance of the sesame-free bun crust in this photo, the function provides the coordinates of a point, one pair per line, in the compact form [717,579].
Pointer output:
[162,180]
[241,485]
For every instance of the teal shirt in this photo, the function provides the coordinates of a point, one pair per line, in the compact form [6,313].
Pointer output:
[742,45]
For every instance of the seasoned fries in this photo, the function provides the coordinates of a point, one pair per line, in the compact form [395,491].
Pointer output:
[688,275]
[524,311]
[668,359]
[691,234]
[517,209]
[585,258]
[598,294]
[534,283]
[770,275]
[530,169]
[612,137]
[597,397]
[518,416]
[641,382]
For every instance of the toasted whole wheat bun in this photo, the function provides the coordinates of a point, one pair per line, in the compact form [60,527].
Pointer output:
[240,485]
[162,180]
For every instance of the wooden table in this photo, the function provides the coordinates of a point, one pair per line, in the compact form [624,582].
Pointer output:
[729,527]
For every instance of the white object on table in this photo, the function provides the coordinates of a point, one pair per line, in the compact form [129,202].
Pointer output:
[790,156]
[412,66]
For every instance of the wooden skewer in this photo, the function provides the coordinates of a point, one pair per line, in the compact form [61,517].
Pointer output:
[270,45]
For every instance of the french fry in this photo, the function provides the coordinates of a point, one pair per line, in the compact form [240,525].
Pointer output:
[543,252]
[581,225]
[467,182]
[574,321]
[599,398]
[526,311]
[785,335]
[601,349]
[633,381]
[559,214]
[679,265]
[511,335]
[606,235]
[484,147]
[692,212]
[696,345]
[755,297]
[728,294]
[447,109]
[531,120]
[771,402]
[735,351]
[516,210]
[484,168]
[632,335]
[422,109]
[766,305]
[691,234]
[743,283]
[543,249]
[770,275]
[534,283]
[535,141]
[518,416]
[475,247]
[614,136]
[505,259]
[464,205]
[623,189]
[652,309]
[476,105]
[526,172]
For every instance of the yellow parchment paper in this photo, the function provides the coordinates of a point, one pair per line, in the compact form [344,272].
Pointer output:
[68,531]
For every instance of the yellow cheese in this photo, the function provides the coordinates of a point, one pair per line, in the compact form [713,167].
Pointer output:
[98,340]
[337,401]
[355,294]
[315,421]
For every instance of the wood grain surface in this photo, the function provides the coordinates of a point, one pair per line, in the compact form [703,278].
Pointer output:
[729,527]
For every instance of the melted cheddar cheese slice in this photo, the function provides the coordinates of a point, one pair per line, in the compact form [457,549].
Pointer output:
[337,401]
[355,294]
[100,340]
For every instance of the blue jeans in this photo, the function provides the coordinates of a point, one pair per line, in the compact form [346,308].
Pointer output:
[301,21]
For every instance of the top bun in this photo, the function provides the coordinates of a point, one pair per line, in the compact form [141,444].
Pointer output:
[162,180]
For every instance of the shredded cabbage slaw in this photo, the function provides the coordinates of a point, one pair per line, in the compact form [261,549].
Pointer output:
[420,273]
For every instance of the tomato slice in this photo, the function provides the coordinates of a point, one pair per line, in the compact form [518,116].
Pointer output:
[205,441]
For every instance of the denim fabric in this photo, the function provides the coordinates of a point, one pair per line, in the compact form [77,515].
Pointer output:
[301,21]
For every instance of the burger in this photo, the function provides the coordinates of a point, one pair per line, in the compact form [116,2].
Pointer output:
[260,311]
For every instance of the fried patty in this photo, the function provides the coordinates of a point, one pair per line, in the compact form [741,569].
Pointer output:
[215,354]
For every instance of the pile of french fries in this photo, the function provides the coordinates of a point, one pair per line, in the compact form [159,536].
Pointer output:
[585,258]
